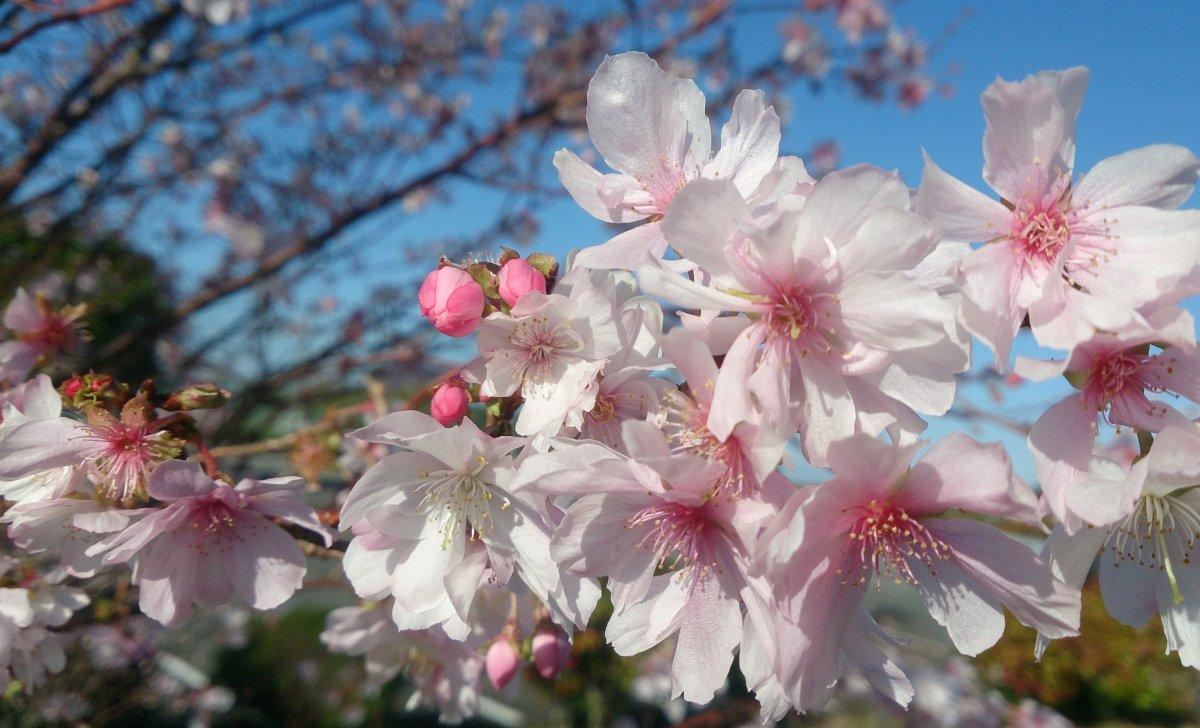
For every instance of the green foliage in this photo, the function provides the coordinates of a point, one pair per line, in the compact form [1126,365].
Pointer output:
[1111,673]
[121,286]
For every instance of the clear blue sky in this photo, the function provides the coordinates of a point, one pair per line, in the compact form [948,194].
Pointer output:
[1145,89]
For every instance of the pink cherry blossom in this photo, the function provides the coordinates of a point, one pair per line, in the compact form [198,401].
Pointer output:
[40,331]
[650,511]
[445,501]
[550,348]
[1075,257]
[651,128]
[449,403]
[1114,373]
[551,649]
[212,542]
[516,278]
[452,301]
[837,333]
[33,401]
[118,454]
[1146,543]
[880,519]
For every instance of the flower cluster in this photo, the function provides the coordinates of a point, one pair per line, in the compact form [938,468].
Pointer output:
[833,315]
[595,443]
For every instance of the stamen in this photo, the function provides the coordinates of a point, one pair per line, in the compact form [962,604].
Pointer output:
[883,540]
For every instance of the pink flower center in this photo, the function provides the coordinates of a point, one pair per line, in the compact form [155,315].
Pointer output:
[1042,233]
[209,521]
[127,455]
[56,333]
[604,410]
[680,535]
[884,541]
[687,431]
[800,319]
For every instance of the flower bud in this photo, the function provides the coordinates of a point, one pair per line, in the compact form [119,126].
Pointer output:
[502,662]
[518,278]
[84,389]
[196,397]
[551,650]
[449,403]
[452,301]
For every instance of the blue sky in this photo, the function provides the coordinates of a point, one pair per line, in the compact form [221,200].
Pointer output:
[1145,89]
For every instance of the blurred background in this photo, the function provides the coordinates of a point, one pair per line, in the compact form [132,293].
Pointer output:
[248,192]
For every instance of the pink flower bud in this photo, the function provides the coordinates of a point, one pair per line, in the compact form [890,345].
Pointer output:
[452,301]
[518,278]
[449,403]
[502,662]
[551,651]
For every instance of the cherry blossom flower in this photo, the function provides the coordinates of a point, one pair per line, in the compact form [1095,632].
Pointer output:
[550,348]
[40,331]
[879,518]
[213,542]
[118,454]
[749,454]
[33,401]
[66,528]
[1114,372]
[651,128]
[445,497]
[1145,543]
[643,513]
[838,334]
[1074,257]
[446,672]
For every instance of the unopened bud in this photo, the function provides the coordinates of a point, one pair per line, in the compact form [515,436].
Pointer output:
[449,403]
[452,300]
[84,389]
[502,662]
[196,397]
[551,651]
[517,278]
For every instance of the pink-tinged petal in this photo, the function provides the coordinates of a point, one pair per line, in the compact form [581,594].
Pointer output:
[1178,371]
[808,659]
[1178,608]
[125,544]
[1028,142]
[1160,175]
[973,619]
[890,239]
[655,280]
[396,428]
[653,619]
[749,143]
[959,211]
[420,572]
[603,196]
[463,580]
[709,633]
[1141,256]
[704,220]
[369,570]
[717,332]
[287,507]
[1128,588]
[626,251]
[17,359]
[23,314]
[1174,460]
[594,535]
[1009,572]
[693,360]
[39,445]
[884,675]
[177,479]
[960,473]
[924,378]
[166,580]
[386,482]
[1070,558]
[267,567]
[1036,370]
[892,312]
[1065,316]
[869,460]
[844,199]
[644,122]
[40,400]
[990,279]
[1061,442]
[734,404]
[828,411]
